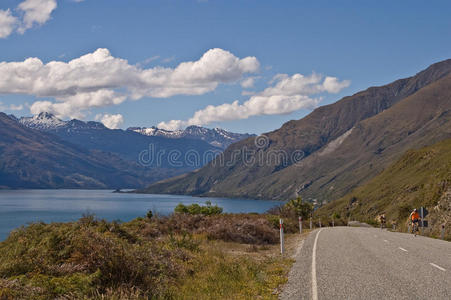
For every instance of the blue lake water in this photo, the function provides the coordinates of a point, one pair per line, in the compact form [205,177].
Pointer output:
[20,207]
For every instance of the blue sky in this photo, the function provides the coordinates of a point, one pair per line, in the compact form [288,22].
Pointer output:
[361,44]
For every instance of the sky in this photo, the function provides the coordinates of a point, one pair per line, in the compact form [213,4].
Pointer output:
[245,66]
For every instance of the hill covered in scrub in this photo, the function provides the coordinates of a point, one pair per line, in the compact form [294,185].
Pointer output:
[343,144]
[419,178]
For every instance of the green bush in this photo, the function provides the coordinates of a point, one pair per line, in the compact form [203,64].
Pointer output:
[196,209]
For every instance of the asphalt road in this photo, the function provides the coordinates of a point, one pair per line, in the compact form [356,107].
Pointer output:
[369,263]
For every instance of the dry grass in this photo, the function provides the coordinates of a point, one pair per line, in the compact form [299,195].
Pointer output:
[175,257]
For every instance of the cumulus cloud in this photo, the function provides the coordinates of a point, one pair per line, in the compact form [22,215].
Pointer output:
[98,79]
[285,95]
[7,23]
[111,121]
[35,12]
[248,83]
[31,13]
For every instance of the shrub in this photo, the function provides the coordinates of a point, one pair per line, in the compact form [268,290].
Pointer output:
[79,256]
[180,208]
[242,229]
[141,259]
[300,208]
[196,209]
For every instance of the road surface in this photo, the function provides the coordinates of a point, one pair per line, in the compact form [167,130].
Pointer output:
[369,263]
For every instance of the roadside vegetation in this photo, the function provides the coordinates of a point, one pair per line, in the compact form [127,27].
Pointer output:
[196,253]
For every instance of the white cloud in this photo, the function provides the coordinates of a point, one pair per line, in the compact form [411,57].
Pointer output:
[32,12]
[147,61]
[286,95]
[332,85]
[16,107]
[248,83]
[13,107]
[35,12]
[168,59]
[98,79]
[7,23]
[111,121]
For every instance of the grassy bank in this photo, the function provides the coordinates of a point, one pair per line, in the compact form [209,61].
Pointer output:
[419,178]
[181,256]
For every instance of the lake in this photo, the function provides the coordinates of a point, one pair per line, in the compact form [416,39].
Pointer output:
[20,207]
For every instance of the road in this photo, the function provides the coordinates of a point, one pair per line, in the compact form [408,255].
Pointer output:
[369,263]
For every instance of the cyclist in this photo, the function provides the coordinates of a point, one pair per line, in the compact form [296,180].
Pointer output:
[382,220]
[415,220]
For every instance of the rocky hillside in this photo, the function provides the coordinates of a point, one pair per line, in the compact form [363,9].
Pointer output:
[335,148]
[419,178]
[33,159]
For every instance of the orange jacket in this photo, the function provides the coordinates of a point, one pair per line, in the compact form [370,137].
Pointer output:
[415,216]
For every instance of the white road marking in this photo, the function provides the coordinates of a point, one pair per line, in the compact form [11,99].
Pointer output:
[438,267]
[314,283]
[386,241]
[403,249]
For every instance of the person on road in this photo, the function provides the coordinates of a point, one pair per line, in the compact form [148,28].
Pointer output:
[382,220]
[415,220]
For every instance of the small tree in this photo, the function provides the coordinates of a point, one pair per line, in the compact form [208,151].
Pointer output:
[149,214]
[196,209]
[180,208]
[301,209]
[336,215]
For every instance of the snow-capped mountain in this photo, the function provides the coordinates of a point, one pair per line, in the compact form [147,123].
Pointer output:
[49,122]
[154,131]
[43,121]
[90,144]
[126,144]
[216,137]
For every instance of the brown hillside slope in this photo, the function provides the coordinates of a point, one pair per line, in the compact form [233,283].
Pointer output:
[311,135]
[419,120]
[419,178]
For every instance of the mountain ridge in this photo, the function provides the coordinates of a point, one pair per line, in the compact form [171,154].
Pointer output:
[310,134]
[31,158]
[216,137]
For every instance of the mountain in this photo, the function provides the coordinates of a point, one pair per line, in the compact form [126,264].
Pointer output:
[216,137]
[31,158]
[332,150]
[181,151]
[43,121]
[419,178]
[178,155]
